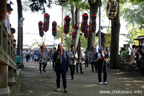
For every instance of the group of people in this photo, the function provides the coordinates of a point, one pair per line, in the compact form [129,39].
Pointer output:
[33,55]
[71,60]
[5,12]
[136,56]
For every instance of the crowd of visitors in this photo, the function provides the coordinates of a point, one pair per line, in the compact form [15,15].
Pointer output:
[5,12]
[136,57]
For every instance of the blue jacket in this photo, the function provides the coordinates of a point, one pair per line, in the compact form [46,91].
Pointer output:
[65,63]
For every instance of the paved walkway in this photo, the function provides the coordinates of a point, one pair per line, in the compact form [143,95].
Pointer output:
[43,84]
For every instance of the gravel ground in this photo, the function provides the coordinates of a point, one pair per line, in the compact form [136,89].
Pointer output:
[86,84]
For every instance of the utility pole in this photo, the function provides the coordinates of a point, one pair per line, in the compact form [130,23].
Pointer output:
[99,24]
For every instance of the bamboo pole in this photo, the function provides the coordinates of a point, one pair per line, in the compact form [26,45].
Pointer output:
[61,35]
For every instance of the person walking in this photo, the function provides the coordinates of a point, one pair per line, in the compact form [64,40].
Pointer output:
[53,62]
[24,56]
[93,58]
[87,55]
[43,56]
[79,63]
[35,54]
[72,54]
[50,56]
[61,67]
[27,56]
[102,66]
[31,55]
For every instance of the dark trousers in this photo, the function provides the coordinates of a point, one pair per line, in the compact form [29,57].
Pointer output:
[102,67]
[44,66]
[27,58]
[86,63]
[58,75]
[94,66]
[77,67]
[72,70]
[53,65]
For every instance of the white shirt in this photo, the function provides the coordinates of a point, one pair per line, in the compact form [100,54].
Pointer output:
[143,45]
[99,55]
[43,56]
[87,54]
[71,55]
[77,61]
[133,52]
[24,54]
[7,23]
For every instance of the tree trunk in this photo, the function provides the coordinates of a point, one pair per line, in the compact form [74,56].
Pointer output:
[73,20]
[77,21]
[93,11]
[73,15]
[20,29]
[114,62]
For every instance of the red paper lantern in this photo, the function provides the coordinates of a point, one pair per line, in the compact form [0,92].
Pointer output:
[46,22]
[54,28]
[84,19]
[74,33]
[93,23]
[86,33]
[40,25]
[66,24]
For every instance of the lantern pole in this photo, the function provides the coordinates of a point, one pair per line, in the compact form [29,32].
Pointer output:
[99,23]
[62,39]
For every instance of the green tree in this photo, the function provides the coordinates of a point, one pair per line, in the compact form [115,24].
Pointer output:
[115,29]
[134,32]
[134,15]
[68,38]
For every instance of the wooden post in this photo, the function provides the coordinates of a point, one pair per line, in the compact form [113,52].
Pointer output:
[3,76]
[11,79]
[4,89]
[1,36]
[5,43]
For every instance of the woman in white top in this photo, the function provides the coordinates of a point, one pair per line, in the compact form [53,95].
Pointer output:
[72,61]
[43,56]
[93,59]
[102,67]
[79,64]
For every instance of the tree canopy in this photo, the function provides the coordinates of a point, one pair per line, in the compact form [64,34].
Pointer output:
[134,14]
